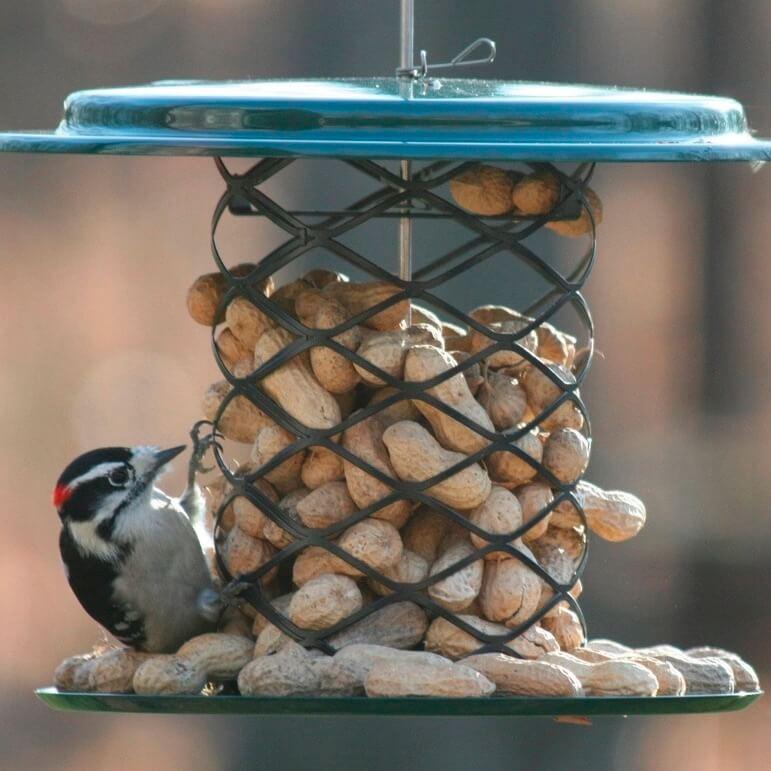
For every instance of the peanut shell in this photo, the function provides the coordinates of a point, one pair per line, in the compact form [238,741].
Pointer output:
[309,302]
[325,506]
[607,646]
[333,370]
[671,680]
[472,373]
[293,385]
[424,678]
[319,277]
[583,223]
[410,569]
[162,675]
[358,660]
[233,351]
[399,625]
[287,673]
[286,296]
[267,444]
[425,362]
[72,673]
[518,677]
[244,554]
[421,315]
[416,457]
[113,672]
[504,357]
[321,465]
[241,420]
[219,656]
[207,291]
[388,350]
[237,621]
[504,399]
[534,498]
[611,514]
[555,346]
[537,193]
[271,640]
[499,514]
[566,627]
[449,640]
[484,190]
[542,392]
[745,676]
[509,470]
[608,678]
[403,409]
[324,601]
[566,454]
[511,591]
[425,533]
[702,675]
[246,321]
[272,530]
[374,542]
[365,440]
[358,298]
[248,517]
[314,561]
[493,314]
[333,679]
[458,590]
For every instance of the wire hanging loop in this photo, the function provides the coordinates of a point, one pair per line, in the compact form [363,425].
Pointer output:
[460,60]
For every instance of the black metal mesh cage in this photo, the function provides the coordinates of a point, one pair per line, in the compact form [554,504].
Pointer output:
[508,456]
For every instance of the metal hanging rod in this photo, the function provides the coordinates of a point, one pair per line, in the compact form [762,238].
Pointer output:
[409,73]
[406,48]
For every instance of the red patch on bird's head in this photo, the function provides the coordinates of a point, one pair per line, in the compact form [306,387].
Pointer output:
[62,494]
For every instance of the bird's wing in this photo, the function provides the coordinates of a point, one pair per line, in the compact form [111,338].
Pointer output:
[92,581]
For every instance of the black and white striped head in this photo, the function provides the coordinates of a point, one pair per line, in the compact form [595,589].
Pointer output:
[98,487]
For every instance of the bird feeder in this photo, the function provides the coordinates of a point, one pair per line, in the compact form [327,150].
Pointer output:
[434,151]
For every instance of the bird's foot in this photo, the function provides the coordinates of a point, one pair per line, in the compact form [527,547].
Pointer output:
[201,445]
[211,603]
[231,593]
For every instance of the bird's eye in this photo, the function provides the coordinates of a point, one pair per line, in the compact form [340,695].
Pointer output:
[119,477]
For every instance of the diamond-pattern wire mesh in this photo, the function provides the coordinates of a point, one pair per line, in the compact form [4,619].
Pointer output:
[417,198]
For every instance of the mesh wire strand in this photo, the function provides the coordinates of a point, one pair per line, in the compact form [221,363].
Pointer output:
[487,237]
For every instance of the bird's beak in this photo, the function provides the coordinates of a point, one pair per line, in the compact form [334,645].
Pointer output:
[162,457]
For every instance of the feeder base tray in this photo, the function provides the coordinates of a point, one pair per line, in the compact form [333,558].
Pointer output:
[397,706]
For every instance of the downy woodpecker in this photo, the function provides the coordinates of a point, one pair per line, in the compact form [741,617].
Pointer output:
[132,554]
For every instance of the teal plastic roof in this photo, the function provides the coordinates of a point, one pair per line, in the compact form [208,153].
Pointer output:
[390,118]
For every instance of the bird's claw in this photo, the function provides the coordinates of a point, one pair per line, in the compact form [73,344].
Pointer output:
[230,594]
[213,603]
[201,445]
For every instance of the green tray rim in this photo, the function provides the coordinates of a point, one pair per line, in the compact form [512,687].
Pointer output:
[509,706]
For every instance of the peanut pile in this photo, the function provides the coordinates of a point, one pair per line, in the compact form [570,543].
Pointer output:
[412,441]
[375,660]
[490,191]
[401,649]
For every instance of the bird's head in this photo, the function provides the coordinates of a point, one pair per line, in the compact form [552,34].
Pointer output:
[97,486]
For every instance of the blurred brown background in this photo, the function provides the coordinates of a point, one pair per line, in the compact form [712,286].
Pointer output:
[97,349]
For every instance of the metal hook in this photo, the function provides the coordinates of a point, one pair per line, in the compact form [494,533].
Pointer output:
[460,60]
